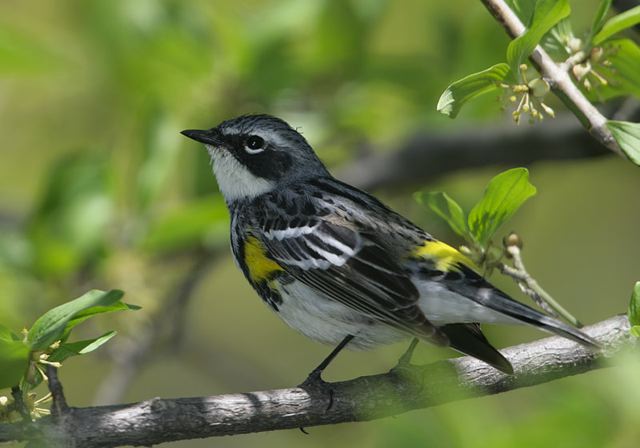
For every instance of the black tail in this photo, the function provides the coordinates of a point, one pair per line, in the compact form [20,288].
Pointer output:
[468,339]
[499,301]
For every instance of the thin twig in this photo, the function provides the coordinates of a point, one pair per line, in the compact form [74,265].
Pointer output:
[531,287]
[365,398]
[573,60]
[558,79]
[59,406]
[19,405]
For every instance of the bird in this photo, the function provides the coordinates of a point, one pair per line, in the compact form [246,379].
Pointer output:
[338,265]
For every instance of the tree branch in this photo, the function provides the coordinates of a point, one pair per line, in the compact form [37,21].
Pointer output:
[426,156]
[558,79]
[365,398]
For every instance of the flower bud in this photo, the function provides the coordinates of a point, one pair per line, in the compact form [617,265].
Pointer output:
[596,54]
[574,44]
[581,70]
[513,239]
[539,87]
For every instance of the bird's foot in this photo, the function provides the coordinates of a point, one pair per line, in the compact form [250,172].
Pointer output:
[315,383]
[407,371]
[404,363]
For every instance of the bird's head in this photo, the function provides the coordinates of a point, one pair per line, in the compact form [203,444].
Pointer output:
[255,154]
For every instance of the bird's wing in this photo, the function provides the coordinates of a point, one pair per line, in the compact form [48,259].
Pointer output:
[348,265]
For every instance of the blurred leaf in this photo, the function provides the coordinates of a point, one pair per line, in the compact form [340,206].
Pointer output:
[200,222]
[623,75]
[634,306]
[161,148]
[469,87]
[523,9]
[556,39]
[618,23]
[598,19]
[339,38]
[70,349]
[20,53]
[69,225]
[52,325]
[14,358]
[446,208]
[627,135]
[503,196]
[547,13]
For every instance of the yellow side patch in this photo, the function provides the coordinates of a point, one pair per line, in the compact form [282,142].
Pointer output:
[444,256]
[259,265]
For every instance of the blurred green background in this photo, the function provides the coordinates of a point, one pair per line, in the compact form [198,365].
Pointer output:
[99,190]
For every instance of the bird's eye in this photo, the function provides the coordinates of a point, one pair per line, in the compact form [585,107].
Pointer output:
[254,144]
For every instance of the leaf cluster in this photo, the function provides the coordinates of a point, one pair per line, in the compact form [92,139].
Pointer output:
[617,62]
[502,198]
[47,341]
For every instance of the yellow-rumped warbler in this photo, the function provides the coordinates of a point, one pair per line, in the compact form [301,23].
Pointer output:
[338,265]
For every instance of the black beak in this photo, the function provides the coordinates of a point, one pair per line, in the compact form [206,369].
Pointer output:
[208,137]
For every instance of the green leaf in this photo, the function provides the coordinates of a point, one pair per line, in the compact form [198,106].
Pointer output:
[523,9]
[200,222]
[446,208]
[627,135]
[14,358]
[90,312]
[618,23]
[634,306]
[160,151]
[545,16]
[623,74]
[598,19]
[469,87]
[69,225]
[79,347]
[503,197]
[635,331]
[52,325]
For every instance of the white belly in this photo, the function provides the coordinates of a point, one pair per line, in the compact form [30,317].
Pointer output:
[328,321]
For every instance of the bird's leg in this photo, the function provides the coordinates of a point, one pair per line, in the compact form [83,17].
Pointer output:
[405,360]
[314,380]
[315,377]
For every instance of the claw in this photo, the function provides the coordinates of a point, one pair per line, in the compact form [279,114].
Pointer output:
[405,360]
[314,381]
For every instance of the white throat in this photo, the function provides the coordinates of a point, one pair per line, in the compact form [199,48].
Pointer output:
[234,180]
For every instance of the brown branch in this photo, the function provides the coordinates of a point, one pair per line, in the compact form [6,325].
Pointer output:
[365,398]
[558,79]
[426,156]
[59,407]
